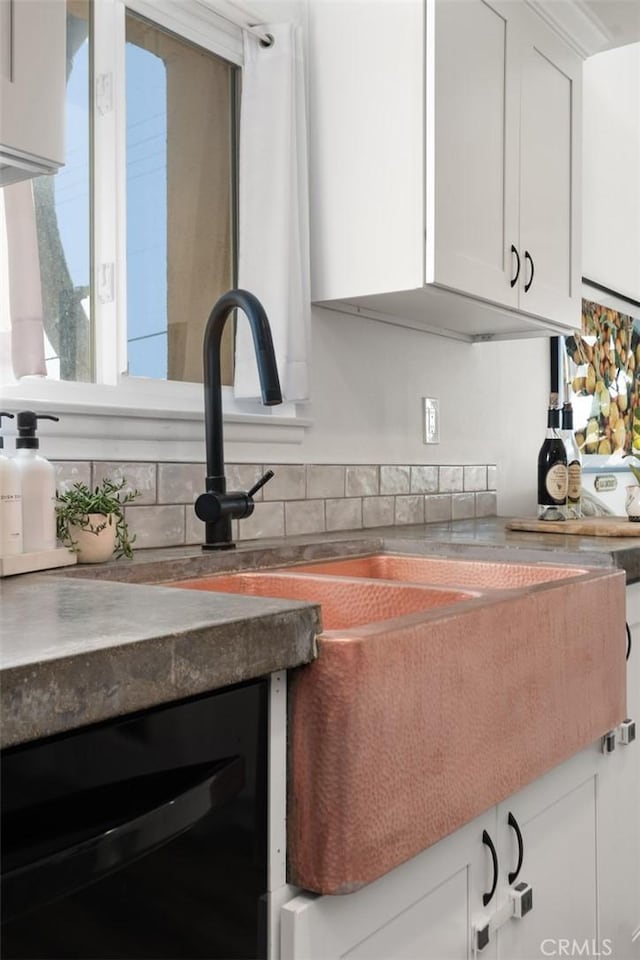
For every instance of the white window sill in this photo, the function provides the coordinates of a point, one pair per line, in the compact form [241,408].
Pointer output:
[143,420]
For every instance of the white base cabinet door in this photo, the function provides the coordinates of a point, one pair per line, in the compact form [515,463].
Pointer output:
[619,816]
[419,910]
[557,820]
[565,836]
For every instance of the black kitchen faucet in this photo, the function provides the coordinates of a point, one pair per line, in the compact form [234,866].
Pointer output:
[216,507]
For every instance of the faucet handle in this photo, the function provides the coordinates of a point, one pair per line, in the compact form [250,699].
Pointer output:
[261,482]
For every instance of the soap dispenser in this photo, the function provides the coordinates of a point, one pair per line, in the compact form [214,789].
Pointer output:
[38,486]
[10,503]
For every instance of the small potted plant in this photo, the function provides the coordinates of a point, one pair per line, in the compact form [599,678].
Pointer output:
[92,524]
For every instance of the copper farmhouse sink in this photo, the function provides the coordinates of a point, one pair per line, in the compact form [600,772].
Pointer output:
[345,603]
[441,687]
[441,570]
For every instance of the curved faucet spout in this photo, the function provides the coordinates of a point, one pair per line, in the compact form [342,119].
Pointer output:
[217,508]
[267,369]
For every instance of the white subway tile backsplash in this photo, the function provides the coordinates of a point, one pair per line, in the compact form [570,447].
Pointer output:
[303,516]
[424,479]
[409,509]
[157,526]
[486,504]
[451,480]
[394,480]
[475,478]
[463,506]
[69,472]
[345,514]
[437,508]
[362,481]
[378,511]
[180,482]
[267,520]
[325,481]
[138,476]
[243,476]
[288,483]
[301,498]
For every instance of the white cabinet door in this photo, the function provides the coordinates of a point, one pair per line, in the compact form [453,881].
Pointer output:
[619,816]
[420,909]
[32,87]
[366,147]
[550,192]
[557,820]
[477,86]
[444,165]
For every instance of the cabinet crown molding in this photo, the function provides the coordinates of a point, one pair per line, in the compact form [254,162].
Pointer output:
[577,22]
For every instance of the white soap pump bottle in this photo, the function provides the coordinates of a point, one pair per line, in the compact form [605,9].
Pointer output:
[38,486]
[10,503]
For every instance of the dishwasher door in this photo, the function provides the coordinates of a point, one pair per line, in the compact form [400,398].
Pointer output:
[144,837]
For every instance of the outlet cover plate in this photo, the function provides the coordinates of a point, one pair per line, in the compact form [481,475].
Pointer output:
[431,420]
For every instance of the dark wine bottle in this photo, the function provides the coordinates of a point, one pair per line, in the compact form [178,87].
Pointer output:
[574,464]
[553,475]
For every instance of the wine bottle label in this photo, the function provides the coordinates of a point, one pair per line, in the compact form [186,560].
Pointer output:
[574,490]
[556,482]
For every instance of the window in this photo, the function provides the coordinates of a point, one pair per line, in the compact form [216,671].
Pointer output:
[152,99]
[180,174]
[179,167]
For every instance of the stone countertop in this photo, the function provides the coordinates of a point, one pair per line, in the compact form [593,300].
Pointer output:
[77,651]
[84,644]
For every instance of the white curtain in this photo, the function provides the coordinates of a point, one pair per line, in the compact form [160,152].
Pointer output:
[21,314]
[274,208]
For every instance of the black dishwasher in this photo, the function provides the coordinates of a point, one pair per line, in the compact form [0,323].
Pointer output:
[140,837]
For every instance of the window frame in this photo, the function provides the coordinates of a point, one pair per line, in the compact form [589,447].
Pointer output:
[107,418]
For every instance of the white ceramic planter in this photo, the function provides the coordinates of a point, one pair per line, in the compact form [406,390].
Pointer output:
[96,542]
[632,502]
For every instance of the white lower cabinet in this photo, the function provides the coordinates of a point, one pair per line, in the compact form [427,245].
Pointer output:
[619,820]
[557,820]
[420,909]
[579,827]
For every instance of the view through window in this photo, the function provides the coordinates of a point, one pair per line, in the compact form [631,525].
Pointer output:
[180,199]
[180,104]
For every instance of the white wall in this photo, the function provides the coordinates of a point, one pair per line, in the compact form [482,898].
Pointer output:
[368,380]
[611,169]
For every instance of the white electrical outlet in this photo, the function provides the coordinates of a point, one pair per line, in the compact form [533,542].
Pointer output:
[431,410]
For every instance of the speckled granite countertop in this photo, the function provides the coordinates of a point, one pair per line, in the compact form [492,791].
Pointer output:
[88,643]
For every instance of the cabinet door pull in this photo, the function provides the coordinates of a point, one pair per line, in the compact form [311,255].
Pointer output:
[513,823]
[628,641]
[488,842]
[527,256]
[514,280]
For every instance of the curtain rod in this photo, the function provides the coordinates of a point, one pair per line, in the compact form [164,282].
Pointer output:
[242,17]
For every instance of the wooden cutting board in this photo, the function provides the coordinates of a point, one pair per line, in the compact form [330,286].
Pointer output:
[588,527]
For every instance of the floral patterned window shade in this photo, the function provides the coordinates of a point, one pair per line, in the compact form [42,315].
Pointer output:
[602,368]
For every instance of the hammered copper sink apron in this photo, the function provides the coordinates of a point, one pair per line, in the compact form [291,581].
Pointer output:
[434,698]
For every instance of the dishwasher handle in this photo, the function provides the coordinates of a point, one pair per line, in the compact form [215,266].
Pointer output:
[44,880]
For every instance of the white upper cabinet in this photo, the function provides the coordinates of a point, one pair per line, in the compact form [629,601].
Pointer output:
[550,184]
[445,168]
[32,87]
[611,183]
